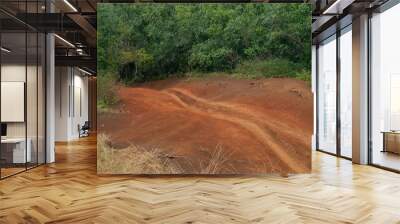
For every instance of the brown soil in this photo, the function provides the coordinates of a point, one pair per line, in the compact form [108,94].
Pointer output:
[261,125]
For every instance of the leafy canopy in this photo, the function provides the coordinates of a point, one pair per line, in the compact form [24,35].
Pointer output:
[141,42]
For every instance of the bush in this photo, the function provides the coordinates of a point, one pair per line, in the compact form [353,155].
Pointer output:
[205,58]
[270,68]
[107,87]
[134,64]
[304,75]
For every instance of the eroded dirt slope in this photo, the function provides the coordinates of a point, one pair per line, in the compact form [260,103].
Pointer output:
[255,126]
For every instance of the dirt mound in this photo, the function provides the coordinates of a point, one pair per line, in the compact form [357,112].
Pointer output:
[249,126]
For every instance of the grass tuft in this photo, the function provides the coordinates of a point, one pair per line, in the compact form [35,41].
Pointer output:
[217,161]
[138,160]
[132,160]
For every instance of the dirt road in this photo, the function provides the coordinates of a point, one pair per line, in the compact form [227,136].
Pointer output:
[256,126]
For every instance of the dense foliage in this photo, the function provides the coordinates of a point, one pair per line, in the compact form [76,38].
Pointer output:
[151,41]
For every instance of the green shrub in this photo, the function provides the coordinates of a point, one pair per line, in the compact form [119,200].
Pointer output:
[304,75]
[269,68]
[205,58]
[107,87]
[134,65]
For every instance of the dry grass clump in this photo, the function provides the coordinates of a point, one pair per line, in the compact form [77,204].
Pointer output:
[138,160]
[217,162]
[132,160]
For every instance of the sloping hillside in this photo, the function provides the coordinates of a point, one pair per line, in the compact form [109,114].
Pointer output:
[214,125]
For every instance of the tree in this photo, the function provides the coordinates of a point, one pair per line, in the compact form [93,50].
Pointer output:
[141,42]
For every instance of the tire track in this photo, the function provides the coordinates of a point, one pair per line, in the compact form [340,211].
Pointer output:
[243,112]
[237,116]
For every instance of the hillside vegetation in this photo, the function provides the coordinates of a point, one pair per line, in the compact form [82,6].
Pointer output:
[143,42]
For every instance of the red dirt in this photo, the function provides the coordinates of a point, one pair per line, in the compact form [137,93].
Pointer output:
[262,125]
